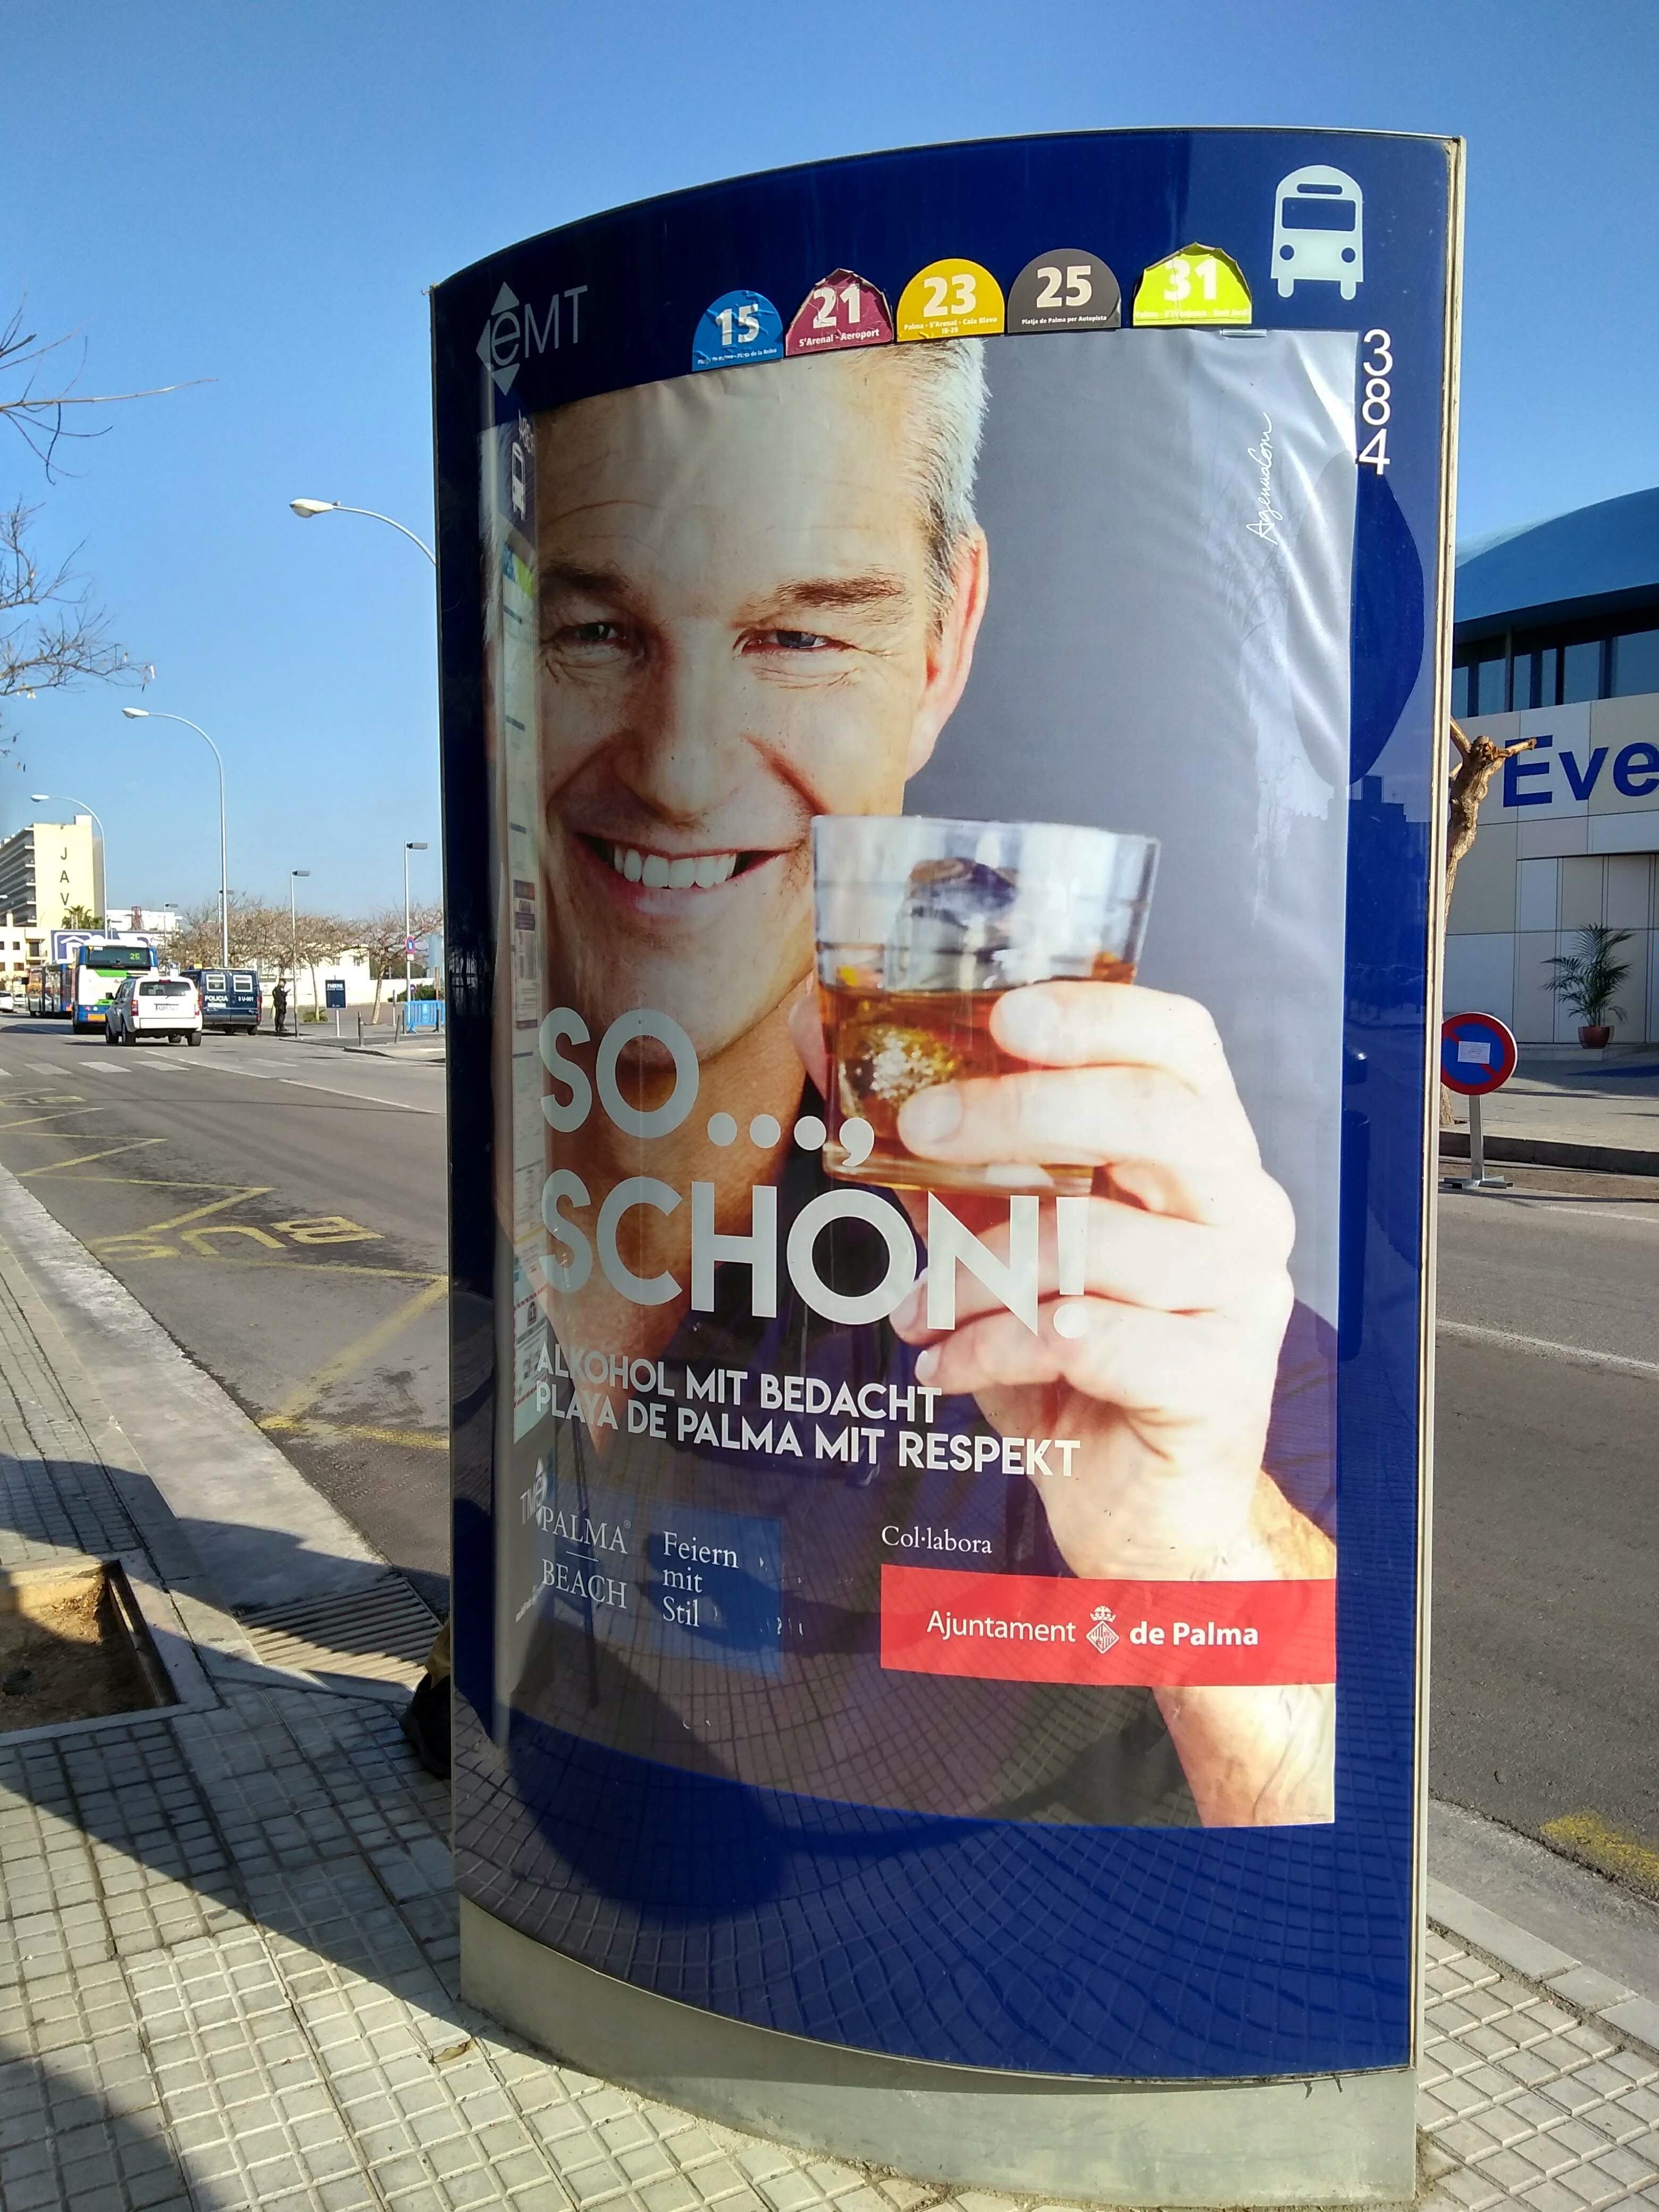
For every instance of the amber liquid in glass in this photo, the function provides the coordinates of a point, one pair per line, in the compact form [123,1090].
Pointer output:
[885,1046]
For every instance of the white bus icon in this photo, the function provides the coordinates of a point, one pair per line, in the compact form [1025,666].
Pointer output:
[1319,231]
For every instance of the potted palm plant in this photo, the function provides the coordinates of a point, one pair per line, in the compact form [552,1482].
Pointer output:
[1585,980]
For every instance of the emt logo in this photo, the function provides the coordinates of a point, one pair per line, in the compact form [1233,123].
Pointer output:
[514,331]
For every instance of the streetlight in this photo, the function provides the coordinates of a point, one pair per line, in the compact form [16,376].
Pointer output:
[411,845]
[305,509]
[147,715]
[293,876]
[63,799]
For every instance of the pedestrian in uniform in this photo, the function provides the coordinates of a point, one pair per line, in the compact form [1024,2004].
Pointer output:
[279,1005]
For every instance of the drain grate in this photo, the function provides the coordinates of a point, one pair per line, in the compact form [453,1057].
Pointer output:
[381,1633]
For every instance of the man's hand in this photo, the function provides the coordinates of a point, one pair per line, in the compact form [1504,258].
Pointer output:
[1163,1368]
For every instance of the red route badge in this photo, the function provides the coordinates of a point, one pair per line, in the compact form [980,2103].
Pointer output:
[841,310]
[1149,1635]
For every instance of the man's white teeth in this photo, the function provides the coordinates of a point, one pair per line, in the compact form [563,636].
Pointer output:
[657,872]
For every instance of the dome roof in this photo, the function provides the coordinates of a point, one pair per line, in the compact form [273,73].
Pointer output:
[1598,558]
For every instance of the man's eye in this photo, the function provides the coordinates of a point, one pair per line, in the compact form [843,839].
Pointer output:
[789,641]
[597,636]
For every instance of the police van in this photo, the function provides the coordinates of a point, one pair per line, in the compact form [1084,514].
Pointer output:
[231,998]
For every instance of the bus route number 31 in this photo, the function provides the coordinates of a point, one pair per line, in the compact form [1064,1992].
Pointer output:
[1376,403]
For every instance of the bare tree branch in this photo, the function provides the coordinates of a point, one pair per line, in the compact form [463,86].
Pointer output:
[52,633]
[38,416]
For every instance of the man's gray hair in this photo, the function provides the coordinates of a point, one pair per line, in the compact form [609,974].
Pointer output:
[947,381]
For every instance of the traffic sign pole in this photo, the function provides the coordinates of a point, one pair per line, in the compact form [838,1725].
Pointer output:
[1477,1178]
[1478,1054]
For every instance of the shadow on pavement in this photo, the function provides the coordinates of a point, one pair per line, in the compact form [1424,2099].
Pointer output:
[188,1898]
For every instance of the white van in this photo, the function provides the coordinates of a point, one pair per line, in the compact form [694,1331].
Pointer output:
[1319,231]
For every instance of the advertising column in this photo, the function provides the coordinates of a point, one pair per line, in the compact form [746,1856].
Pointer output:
[943,668]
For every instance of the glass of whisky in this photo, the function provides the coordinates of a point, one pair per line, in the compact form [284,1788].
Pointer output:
[922,924]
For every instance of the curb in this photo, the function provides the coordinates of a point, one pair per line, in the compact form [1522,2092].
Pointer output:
[1554,1152]
[1620,2011]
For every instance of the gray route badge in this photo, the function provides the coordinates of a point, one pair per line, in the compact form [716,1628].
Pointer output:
[1066,290]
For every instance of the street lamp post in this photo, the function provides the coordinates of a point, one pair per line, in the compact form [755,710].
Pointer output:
[293,876]
[148,714]
[305,509]
[411,845]
[63,799]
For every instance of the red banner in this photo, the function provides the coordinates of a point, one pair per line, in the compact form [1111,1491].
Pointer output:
[1043,1628]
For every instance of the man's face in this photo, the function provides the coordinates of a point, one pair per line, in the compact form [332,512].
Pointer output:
[737,634]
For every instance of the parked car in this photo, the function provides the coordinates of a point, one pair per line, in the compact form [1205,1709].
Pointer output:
[168,1006]
[7,1000]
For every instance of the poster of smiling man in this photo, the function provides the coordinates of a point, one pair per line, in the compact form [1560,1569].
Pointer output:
[912,1007]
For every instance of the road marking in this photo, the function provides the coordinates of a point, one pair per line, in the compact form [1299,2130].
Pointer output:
[1569,1355]
[80,1158]
[197,1238]
[1611,1850]
[300,1083]
[177,1220]
[367,1097]
[45,1067]
[354,1355]
[354,1433]
[63,1113]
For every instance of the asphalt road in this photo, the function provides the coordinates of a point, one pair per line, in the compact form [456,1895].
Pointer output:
[1546,1509]
[279,1208]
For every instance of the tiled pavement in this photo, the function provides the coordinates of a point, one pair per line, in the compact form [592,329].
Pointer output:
[227,1958]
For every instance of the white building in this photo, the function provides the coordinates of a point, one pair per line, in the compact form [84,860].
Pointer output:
[18,947]
[49,869]
[1557,638]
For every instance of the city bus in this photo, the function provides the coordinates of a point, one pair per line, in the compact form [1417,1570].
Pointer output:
[90,980]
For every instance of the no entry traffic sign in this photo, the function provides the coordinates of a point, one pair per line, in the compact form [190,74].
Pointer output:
[1477,1053]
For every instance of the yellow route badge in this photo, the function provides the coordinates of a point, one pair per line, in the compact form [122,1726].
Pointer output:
[951,299]
[1199,284]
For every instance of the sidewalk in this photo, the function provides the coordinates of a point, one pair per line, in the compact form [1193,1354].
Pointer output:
[227,1943]
[380,1039]
[1596,1111]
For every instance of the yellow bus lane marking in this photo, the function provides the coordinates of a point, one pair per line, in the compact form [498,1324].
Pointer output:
[278,1424]
[80,1158]
[1610,1850]
[197,1238]
[63,1113]
[175,1220]
[358,1353]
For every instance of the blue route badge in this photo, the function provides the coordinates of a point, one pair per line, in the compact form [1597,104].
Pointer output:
[740,327]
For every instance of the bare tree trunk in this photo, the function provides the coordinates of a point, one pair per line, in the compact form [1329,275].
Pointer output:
[1478,760]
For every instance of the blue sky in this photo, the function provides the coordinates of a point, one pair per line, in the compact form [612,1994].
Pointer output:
[257,195]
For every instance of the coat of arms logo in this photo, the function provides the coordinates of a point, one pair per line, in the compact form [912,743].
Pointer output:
[1102,1636]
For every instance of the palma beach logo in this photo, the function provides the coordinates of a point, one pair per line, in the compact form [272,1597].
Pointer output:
[1102,1636]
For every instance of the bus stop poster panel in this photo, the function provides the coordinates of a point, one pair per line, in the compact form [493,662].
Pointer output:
[939,1564]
